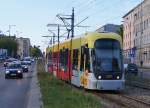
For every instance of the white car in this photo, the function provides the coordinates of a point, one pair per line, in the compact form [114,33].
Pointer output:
[27,60]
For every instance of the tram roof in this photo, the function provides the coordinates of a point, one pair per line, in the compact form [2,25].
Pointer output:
[86,38]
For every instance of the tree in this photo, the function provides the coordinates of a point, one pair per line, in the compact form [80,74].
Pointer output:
[10,44]
[35,52]
[120,31]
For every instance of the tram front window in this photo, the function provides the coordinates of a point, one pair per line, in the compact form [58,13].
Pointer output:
[107,57]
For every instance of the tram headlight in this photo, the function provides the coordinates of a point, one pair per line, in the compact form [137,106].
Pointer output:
[99,77]
[118,77]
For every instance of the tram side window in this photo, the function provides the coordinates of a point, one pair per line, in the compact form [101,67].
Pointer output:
[75,59]
[82,59]
[61,58]
[87,61]
[65,53]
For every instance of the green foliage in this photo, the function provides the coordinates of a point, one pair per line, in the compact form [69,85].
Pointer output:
[120,31]
[35,52]
[10,44]
[57,94]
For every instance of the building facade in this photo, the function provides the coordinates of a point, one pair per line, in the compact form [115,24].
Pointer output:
[3,53]
[23,47]
[137,34]
[109,28]
[129,37]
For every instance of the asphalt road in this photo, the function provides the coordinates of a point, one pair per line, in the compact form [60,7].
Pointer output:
[14,93]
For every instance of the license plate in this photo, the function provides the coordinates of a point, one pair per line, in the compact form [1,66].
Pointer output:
[109,76]
[13,74]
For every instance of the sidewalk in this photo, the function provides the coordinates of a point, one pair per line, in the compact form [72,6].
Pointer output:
[144,67]
[34,93]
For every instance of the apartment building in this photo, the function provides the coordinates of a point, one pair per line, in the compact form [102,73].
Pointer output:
[129,37]
[137,34]
[23,47]
[109,28]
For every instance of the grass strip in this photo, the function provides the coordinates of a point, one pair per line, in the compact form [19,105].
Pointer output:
[57,94]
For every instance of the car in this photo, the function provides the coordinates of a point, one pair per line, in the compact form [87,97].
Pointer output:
[13,70]
[132,68]
[28,60]
[24,65]
[32,59]
[9,61]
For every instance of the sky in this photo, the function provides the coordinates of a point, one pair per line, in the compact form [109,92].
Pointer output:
[30,17]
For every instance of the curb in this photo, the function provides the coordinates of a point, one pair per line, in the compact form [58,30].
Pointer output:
[35,96]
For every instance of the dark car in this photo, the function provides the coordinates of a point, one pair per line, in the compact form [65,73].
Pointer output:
[132,68]
[24,66]
[14,70]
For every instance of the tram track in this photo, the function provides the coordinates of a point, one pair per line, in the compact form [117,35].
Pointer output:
[138,85]
[137,100]
[124,100]
[121,99]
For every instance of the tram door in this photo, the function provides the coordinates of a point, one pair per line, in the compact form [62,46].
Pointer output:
[75,69]
[84,65]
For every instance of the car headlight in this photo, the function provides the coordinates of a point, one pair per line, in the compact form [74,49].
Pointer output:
[19,71]
[118,77]
[7,72]
[99,77]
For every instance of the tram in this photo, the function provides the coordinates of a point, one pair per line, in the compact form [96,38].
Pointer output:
[92,61]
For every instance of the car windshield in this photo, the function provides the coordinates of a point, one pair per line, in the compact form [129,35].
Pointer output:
[24,63]
[14,66]
[27,59]
[132,66]
[8,60]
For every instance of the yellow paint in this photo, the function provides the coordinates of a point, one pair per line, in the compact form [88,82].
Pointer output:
[87,38]
[84,79]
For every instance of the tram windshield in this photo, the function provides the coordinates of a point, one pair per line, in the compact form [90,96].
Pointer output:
[107,56]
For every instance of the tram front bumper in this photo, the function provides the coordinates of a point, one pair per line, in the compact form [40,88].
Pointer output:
[110,84]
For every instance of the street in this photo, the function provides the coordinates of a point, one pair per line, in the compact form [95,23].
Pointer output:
[14,93]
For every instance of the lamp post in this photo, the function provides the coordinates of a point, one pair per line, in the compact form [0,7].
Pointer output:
[10,28]
[18,33]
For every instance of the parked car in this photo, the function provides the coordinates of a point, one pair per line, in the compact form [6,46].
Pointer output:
[14,70]
[132,68]
[25,67]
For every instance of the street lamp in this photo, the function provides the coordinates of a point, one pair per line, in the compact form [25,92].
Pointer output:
[18,33]
[10,28]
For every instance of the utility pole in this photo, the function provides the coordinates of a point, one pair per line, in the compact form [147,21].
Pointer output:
[70,28]
[10,28]
[72,23]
